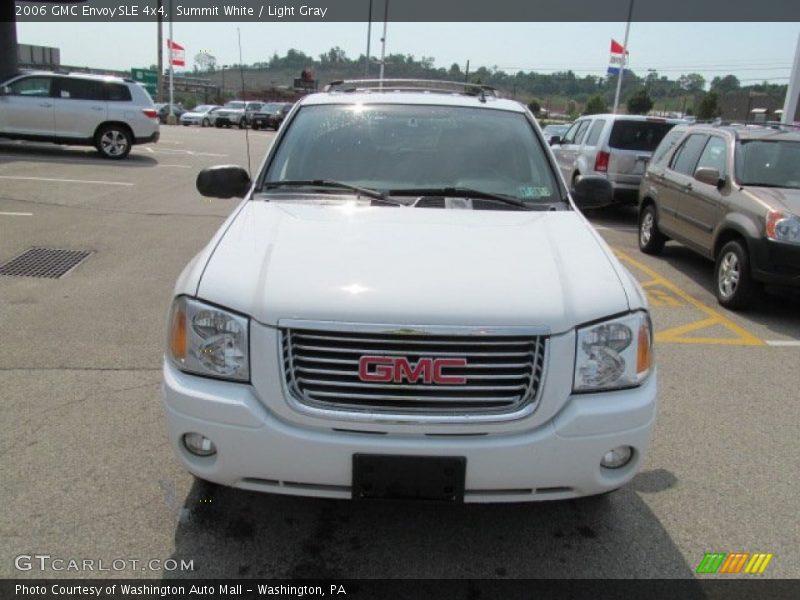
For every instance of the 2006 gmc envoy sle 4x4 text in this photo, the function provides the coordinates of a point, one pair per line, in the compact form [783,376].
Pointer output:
[408,304]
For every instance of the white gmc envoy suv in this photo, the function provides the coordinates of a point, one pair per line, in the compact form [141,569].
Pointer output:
[408,304]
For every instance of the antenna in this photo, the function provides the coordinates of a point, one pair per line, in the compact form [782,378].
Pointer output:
[244,99]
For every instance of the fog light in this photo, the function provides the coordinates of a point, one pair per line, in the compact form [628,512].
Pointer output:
[199,445]
[617,457]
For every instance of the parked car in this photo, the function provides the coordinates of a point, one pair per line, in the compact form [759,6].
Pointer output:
[407,303]
[731,194]
[613,146]
[199,115]
[554,131]
[163,111]
[110,113]
[271,115]
[235,112]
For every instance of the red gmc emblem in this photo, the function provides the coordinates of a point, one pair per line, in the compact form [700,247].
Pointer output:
[398,369]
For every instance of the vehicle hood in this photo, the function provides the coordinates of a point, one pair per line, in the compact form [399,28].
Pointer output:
[779,198]
[335,261]
[230,111]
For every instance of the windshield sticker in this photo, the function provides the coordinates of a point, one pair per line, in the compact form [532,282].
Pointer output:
[527,191]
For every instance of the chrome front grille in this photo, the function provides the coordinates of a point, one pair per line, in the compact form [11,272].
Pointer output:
[503,373]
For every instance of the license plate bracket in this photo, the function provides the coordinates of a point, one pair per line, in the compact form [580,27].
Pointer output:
[387,476]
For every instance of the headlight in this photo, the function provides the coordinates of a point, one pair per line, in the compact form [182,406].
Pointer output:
[207,340]
[783,227]
[614,354]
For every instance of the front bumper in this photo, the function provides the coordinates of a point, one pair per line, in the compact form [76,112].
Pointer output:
[265,121]
[259,450]
[231,120]
[776,263]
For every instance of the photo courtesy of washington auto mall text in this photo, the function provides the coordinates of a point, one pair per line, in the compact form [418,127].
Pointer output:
[399,299]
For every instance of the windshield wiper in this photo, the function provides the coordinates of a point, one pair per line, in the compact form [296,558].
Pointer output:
[462,192]
[327,183]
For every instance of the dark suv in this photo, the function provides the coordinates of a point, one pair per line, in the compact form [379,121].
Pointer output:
[732,194]
[271,115]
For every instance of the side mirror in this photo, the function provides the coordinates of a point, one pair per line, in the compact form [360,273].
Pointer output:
[224,181]
[592,192]
[709,176]
[556,139]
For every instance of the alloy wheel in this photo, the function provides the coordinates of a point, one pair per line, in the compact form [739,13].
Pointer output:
[114,142]
[729,273]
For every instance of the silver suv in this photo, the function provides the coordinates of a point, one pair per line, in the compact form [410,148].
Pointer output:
[616,147]
[109,113]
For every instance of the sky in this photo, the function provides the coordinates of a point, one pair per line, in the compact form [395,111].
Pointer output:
[751,51]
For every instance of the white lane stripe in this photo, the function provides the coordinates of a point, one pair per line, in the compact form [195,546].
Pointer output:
[16,214]
[66,180]
[782,342]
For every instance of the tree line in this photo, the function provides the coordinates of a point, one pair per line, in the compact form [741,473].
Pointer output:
[588,93]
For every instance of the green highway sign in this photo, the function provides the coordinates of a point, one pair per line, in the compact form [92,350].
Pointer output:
[147,77]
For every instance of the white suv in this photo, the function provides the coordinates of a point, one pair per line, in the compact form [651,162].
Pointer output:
[408,304]
[109,113]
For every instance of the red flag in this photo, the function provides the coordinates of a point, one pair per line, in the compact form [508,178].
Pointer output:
[177,54]
[616,47]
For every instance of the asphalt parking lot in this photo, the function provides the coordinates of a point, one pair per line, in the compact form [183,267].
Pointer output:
[88,474]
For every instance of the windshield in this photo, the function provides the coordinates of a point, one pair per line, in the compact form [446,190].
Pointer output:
[234,105]
[556,129]
[407,147]
[271,107]
[773,163]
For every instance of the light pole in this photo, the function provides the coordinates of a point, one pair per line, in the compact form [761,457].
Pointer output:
[383,39]
[160,35]
[624,58]
[369,38]
[222,91]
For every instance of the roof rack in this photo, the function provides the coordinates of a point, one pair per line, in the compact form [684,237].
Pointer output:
[413,85]
[742,123]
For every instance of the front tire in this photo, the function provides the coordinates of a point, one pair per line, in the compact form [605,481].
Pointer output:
[242,124]
[205,123]
[735,287]
[113,142]
[651,240]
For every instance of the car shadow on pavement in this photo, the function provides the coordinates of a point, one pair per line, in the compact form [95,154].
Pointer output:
[37,153]
[616,215]
[776,309]
[231,533]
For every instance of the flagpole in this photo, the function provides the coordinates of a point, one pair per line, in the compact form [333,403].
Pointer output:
[170,117]
[624,58]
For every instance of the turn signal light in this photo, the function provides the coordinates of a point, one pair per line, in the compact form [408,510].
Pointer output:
[644,349]
[177,334]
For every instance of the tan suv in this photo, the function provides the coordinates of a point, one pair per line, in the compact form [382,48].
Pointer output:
[732,194]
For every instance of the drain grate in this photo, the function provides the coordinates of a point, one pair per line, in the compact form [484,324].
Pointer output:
[44,262]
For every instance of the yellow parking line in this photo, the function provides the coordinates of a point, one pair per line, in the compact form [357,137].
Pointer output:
[745,338]
[681,329]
